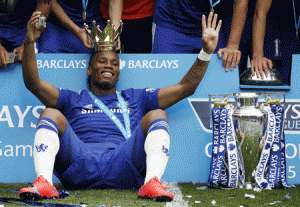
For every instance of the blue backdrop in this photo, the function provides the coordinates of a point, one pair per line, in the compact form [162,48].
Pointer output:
[189,119]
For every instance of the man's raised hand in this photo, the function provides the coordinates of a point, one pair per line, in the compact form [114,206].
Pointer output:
[210,32]
[33,31]
[3,53]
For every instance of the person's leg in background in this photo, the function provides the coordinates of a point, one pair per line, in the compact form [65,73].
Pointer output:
[136,36]
[170,41]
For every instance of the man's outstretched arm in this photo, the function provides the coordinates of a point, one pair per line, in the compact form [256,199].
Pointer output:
[115,9]
[170,95]
[231,54]
[45,92]
[259,63]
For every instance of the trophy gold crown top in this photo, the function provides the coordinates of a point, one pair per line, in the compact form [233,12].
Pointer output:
[221,103]
[273,101]
[104,40]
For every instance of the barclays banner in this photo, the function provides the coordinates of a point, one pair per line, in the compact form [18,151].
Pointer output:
[190,124]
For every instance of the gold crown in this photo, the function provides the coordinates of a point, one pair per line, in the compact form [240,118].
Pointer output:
[106,39]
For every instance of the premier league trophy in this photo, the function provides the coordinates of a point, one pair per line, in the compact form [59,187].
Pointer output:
[248,147]
[250,126]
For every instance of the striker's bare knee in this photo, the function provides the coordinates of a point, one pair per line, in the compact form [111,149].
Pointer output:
[152,116]
[57,117]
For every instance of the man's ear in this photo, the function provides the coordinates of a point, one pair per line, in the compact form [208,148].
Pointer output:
[89,71]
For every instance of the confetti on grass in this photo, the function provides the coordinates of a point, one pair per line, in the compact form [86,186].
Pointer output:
[47,204]
[201,188]
[274,203]
[63,194]
[288,196]
[249,196]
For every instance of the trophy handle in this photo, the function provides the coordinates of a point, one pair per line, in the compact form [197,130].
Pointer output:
[221,99]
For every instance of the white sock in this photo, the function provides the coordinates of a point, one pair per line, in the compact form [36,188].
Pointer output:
[46,146]
[157,146]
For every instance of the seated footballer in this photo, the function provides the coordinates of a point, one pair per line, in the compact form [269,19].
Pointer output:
[101,138]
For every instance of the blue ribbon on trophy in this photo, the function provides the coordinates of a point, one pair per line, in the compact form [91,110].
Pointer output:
[218,174]
[222,143]
[255,131]
[274,173]
[283,163]
[219,152]
[215,143]
[264,158]
[232,152]
[281,181]
[224,173]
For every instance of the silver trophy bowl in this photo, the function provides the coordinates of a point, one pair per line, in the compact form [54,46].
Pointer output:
[250,126]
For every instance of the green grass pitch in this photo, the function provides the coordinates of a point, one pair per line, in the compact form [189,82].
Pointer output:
[125,198]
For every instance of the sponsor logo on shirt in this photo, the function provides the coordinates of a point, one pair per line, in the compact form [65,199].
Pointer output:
[118,104]
[150,89]
[89,106]
[97,111]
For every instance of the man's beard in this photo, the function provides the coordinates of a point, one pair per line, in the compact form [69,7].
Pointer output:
[105,85]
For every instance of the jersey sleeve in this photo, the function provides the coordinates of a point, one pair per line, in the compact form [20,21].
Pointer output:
[150,99]
[65,99]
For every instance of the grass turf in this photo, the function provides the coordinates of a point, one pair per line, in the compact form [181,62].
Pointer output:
[112,197]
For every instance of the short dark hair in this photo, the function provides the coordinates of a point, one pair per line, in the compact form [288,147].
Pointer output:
[90,64]
[92,57]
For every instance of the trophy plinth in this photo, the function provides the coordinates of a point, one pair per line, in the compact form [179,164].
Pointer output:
[248,185]
[273,78]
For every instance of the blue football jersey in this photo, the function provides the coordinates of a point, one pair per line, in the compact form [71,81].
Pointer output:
[20,16]
[92,125]
[181,15]
[185,16]
[13,26]
[74,10]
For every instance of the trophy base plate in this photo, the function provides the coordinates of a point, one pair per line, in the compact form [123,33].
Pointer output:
[273,79]
[248,186]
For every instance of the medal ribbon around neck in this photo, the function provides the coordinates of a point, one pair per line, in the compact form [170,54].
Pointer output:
[126,132]
[212,5]
[84,5]
[296,24]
